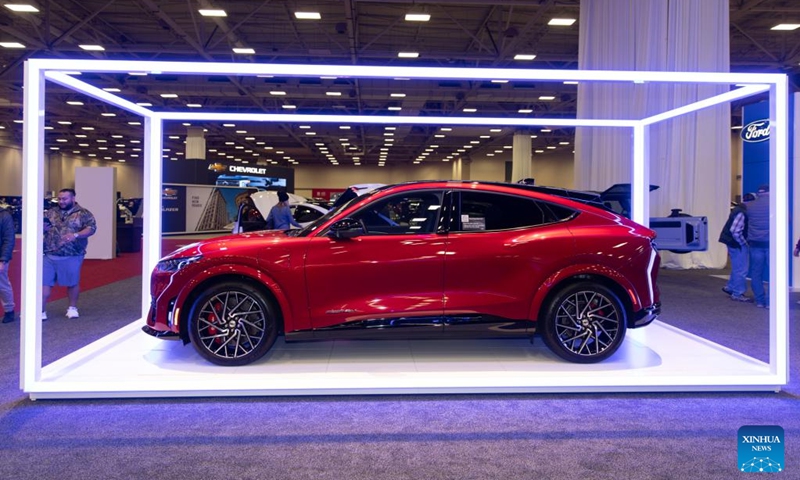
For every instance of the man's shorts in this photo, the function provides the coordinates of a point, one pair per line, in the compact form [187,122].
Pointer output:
[66,271]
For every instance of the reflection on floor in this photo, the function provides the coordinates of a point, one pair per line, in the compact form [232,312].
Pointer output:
[129,363]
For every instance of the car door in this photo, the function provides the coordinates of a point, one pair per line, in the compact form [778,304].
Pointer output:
[501,247]
[394,269]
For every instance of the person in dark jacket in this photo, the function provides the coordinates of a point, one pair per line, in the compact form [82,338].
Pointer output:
[734,236]
[758,239]
[280,216]
[6,250]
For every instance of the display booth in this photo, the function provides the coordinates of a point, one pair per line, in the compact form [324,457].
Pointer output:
[128,363]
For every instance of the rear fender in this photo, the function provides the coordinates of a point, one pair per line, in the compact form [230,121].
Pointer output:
[563,276]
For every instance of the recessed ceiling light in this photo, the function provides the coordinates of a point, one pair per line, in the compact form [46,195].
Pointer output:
[20,7]
[570,82]
[470,110]
[333,94]
[547,97]
[244,51]
[194,105]
[545,130]
[210,12]
[499,81]
[524,56]
[344,127]
[144,104]
[289,107]
[417,17]
[92,48]
[307,15]
[525,110]
[397,95]
[74,102]
[112,89]
[169,95]
[561,22]
[11,45]
[108,114]
[408,54]
[786,26]
[277,92]
[395,109]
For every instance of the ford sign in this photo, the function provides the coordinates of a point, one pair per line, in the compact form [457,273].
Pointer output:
[756,131]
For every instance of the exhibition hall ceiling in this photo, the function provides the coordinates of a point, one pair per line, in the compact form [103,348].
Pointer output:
[450,33]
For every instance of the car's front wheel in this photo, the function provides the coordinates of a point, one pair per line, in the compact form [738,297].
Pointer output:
[585,323]
[232,324]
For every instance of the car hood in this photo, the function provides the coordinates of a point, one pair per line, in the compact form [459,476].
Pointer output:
[229,243]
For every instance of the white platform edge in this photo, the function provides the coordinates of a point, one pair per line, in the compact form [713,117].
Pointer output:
[710,367]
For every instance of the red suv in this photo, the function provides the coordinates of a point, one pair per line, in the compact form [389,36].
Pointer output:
[419,259]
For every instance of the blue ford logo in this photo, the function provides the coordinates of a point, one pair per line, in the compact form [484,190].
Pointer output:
[756,131]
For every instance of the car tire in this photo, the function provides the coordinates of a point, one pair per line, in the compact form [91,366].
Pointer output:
[585,323]
[232,324]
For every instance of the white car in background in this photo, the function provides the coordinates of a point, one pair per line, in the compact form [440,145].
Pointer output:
[354,191]
[303,212]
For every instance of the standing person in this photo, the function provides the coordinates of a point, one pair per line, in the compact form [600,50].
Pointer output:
[6,250]
[280,215]
[66,229]
[734,236]
[758,239]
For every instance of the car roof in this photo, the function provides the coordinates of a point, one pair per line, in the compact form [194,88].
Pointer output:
[587,198]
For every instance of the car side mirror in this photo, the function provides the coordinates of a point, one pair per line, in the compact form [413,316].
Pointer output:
[347,228]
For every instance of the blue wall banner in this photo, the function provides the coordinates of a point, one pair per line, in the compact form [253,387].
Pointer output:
[755,146]
[173,208]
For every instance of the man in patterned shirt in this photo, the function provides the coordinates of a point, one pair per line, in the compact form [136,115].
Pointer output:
[66,229]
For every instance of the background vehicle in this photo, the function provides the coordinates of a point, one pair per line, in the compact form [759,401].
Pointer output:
[425,258]
[248,221]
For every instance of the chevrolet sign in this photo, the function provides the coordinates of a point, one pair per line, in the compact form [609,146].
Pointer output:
[240,169]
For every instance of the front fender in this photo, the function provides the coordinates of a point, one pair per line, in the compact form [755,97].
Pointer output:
[553,282]
[208,273]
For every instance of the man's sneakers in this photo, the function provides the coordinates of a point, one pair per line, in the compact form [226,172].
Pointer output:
[741,298]
[8,317]
[727,290]
[72,312]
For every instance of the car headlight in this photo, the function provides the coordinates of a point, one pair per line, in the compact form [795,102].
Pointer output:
[175,264]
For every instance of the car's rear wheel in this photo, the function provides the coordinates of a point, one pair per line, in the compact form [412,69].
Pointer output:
[232,324]
[585,323]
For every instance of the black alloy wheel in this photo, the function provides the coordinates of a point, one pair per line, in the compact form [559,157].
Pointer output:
[232,324]
[585,323]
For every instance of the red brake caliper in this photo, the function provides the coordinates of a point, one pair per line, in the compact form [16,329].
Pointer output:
[214,317]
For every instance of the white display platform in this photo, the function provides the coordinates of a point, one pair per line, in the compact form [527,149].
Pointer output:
[659,357]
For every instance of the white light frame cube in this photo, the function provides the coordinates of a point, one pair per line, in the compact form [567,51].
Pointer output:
[60,71]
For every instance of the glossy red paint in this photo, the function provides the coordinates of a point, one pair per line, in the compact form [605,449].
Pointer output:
[318,281]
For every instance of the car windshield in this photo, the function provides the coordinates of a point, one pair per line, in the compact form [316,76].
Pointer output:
[313,226]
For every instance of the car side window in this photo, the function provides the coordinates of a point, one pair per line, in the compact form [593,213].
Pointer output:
[484,211]
[303,214]
[405,214]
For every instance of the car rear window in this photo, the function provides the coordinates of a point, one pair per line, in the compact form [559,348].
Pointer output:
[486,211]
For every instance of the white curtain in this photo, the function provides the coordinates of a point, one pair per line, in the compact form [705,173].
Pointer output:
[690,157]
